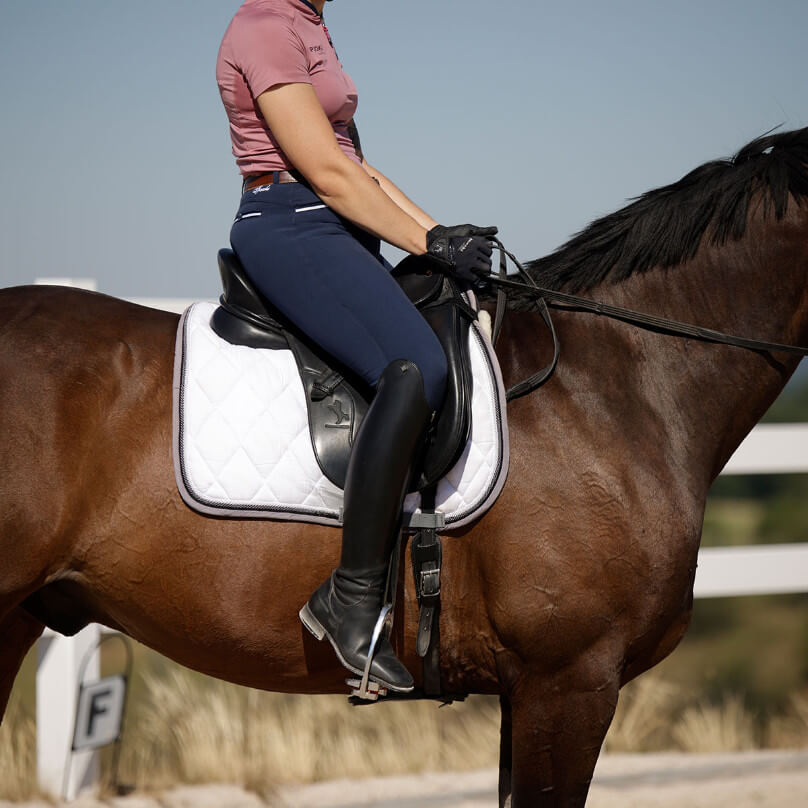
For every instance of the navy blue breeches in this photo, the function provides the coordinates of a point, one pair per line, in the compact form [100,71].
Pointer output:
[329,278]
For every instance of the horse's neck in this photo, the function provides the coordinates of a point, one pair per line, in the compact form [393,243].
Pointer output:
[690,403]
[712,395]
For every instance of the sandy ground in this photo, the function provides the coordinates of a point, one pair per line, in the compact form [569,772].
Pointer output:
[748,780]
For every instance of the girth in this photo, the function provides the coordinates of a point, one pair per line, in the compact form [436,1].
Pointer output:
[336,398]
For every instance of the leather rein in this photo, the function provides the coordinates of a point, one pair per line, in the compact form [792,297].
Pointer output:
[548,298]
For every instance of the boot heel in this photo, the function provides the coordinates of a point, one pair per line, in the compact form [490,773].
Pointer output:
[311,622]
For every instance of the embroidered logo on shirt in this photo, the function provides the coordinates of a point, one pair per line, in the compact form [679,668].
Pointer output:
[316,49]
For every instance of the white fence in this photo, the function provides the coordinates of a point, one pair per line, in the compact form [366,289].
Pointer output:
[722,572]
[771,569]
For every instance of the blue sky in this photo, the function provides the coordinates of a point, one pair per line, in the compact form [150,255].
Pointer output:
[532,116]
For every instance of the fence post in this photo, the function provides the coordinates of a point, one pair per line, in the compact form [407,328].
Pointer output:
[59,773]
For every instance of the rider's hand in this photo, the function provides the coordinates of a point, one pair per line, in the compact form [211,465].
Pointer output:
[464,250]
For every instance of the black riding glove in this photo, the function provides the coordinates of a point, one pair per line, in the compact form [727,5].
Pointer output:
[464,250]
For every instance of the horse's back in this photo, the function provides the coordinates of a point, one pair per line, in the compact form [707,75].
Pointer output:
[72,351]
[85,379]
[45,315]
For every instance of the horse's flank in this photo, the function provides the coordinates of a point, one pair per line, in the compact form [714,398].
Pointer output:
[579,578]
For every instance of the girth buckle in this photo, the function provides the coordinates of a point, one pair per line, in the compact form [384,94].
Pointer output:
[427,557]
[430,584]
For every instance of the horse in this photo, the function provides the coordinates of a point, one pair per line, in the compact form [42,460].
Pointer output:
[577,580]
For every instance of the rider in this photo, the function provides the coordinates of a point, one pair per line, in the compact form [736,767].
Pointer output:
[308,234]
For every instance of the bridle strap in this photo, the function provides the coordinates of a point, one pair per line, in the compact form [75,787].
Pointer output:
[541,376]
[502,296]
[561,300]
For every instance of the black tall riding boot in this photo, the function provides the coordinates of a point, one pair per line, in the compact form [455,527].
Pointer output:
[346,607]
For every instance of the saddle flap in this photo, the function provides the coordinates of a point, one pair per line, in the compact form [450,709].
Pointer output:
[336,408]
[450,318]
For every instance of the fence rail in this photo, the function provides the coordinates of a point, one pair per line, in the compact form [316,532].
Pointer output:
[772,449]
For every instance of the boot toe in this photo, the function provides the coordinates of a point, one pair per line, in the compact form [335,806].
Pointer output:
[388,670]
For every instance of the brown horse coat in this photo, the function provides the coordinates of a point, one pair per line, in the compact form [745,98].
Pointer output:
[578,579]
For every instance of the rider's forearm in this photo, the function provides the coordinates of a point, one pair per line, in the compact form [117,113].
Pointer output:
[399,197]
[350,191]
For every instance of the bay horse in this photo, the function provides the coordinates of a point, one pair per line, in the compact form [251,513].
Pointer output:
[577,580]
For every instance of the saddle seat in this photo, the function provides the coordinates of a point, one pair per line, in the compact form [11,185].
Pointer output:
[337,399]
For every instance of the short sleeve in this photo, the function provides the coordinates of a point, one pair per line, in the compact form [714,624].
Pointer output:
[269,52]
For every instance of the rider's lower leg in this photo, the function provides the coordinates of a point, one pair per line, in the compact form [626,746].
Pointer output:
[346,608]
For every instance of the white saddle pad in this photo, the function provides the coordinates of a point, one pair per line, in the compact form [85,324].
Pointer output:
[241,434]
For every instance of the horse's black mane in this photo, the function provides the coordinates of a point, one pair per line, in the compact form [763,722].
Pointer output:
[665,227]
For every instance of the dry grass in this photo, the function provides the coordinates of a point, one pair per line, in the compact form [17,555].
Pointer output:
[189,729]
[643,717]
[17,754]
[791,730]
[192,733]
[724,727]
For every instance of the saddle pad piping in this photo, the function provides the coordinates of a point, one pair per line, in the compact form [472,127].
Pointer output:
[498,483]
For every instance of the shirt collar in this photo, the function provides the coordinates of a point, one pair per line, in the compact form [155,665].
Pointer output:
[311,8]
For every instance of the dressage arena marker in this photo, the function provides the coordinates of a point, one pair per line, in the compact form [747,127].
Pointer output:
[90,714]
[722,572]
[57,692]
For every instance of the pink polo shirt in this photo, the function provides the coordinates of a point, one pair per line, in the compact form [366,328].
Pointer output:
[273,42]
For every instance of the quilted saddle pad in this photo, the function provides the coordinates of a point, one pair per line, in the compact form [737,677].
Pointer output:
[241,435]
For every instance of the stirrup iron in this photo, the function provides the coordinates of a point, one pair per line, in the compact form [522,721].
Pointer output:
[367,690]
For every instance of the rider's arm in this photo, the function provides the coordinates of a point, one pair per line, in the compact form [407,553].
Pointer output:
[302,130]
[387,185]
[399,197]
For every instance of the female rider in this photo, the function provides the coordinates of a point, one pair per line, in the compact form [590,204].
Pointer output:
[307,233]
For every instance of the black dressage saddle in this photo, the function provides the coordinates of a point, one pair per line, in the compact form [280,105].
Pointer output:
[337,400]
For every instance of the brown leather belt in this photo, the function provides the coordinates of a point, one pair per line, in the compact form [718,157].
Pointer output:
[271,178]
